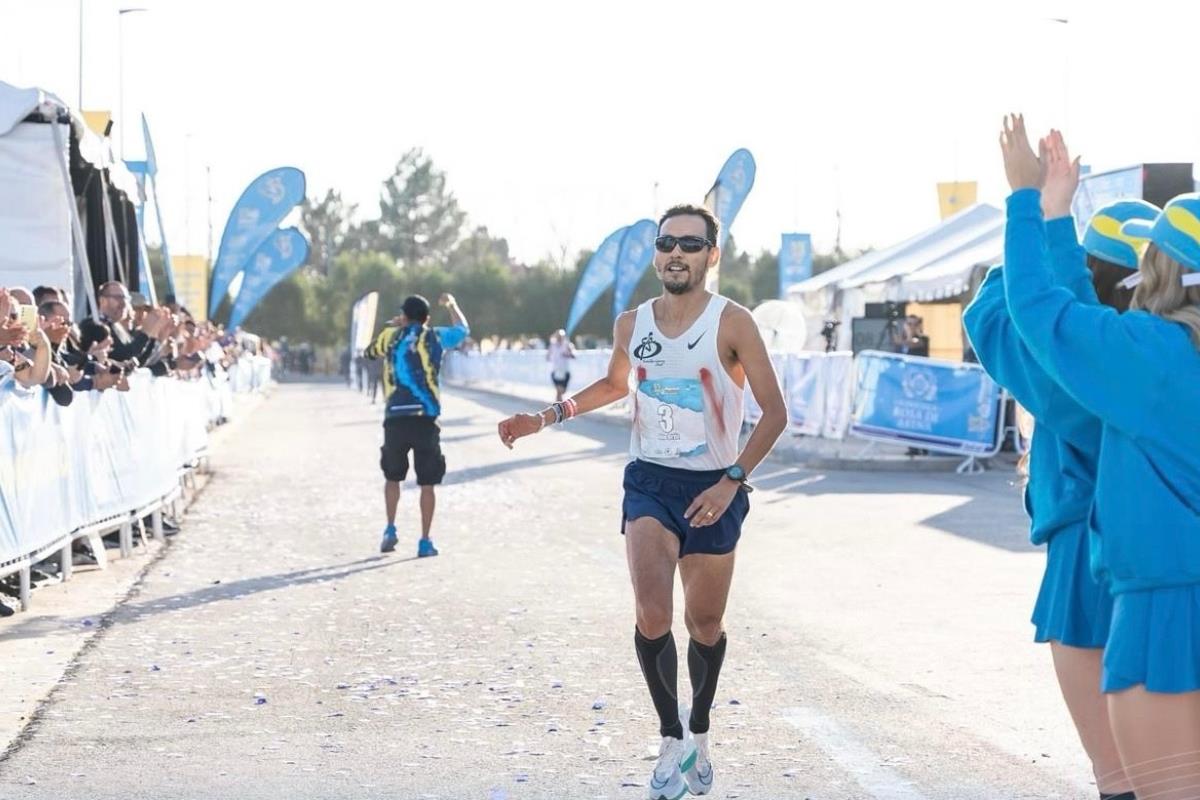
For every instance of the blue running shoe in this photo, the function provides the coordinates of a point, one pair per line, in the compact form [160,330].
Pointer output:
[389,539]
[425,549]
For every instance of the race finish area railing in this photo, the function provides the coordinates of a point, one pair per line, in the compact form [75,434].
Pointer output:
[106,463]
[882,398]
[925,403]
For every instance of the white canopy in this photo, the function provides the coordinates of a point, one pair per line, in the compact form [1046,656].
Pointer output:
[957,230]
[35,215]
[936,263]
[35,202]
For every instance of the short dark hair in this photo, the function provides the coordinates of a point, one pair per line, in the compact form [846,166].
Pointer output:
[92,331]
[415,308]
[712,225]
[1106,279]
[49,308]
[43,293]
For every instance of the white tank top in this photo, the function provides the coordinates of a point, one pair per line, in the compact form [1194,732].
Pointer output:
[687,410]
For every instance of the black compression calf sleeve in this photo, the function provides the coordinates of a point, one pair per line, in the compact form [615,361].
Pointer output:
[704,667]
[660,667]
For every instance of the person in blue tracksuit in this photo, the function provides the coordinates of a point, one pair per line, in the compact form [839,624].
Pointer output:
[1073,609]
[1139,372]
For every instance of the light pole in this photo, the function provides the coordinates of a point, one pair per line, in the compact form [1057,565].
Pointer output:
[121,67]
[1066,76]
[80,56]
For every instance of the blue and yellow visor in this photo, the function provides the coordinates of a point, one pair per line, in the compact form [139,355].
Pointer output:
[1176,231]
[1105,239]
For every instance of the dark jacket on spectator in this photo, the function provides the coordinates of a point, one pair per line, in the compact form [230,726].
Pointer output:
[128,345]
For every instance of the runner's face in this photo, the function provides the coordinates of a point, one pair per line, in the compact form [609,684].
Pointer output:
[683,272]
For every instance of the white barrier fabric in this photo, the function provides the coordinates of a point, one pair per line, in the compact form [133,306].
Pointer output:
[838,372]
[522,366]
[249,373]
[818,387]
[107,453]
[753,411]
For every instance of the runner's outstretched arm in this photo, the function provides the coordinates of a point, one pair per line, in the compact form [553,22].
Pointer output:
[609,389]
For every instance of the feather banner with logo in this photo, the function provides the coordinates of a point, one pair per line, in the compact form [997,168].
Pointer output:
[266,201]
[725,199]
[598,275]
[279,256]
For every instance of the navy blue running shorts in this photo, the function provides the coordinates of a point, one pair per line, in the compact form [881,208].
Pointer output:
[664,493]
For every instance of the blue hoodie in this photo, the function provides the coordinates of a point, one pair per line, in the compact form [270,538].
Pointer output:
[1066,441]
[1140,374]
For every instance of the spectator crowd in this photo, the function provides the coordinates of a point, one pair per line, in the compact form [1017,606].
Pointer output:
[43,346]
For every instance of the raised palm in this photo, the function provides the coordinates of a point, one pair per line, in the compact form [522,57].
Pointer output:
[1062,176]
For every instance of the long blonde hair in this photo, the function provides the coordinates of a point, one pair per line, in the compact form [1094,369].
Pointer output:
[1025,426]
[1161,292]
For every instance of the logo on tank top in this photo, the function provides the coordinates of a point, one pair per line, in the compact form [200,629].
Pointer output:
[692,345]
[648,349]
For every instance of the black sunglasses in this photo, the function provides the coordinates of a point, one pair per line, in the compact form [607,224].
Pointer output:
[688,244]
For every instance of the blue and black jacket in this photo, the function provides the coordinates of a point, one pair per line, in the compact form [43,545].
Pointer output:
[412,362]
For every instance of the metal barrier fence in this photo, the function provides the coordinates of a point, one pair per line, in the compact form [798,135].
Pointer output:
[105,463]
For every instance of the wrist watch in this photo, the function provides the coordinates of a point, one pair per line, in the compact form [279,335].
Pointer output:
[736,473]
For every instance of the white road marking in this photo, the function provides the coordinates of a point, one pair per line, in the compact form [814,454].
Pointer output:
[858,760]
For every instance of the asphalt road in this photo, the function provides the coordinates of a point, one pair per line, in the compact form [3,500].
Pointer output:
[879,643]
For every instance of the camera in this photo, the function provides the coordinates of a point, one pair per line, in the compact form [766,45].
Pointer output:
[829,333]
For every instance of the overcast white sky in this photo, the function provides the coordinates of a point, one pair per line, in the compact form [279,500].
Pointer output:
[555,120]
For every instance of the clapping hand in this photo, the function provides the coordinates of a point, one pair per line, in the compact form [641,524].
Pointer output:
[13,334]
[1062,176]
[1021,164]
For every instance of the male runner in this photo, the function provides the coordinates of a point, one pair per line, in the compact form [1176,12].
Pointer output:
[691,353]
[412,359]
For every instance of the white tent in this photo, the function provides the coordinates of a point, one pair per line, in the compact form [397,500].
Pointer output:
[38,211]
[941,258]
[35,211]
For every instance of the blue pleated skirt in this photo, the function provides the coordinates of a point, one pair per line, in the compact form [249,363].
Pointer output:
[1072,608]
[1155,641]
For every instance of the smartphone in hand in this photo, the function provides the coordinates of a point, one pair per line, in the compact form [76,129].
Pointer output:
[27,316]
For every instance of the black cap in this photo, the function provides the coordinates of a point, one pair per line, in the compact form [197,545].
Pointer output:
[416,308]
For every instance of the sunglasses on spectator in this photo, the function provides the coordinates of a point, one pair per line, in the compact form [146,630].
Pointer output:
[688,244]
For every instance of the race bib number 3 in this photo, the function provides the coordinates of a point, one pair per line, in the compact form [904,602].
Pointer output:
[671,418]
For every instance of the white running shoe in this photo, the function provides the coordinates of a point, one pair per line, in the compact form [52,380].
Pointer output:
[699,775]
[674,757]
